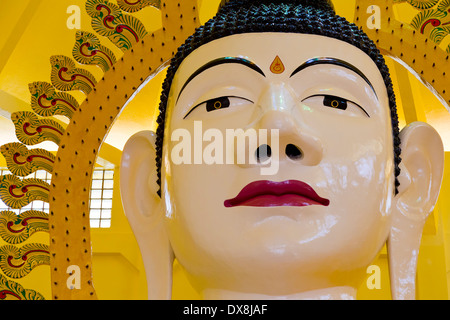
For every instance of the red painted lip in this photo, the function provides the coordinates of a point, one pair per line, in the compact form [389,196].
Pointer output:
[275,194]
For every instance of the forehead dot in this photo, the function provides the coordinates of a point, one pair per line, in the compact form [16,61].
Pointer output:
[277,66]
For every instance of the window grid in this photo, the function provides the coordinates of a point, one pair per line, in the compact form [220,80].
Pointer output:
[100,200]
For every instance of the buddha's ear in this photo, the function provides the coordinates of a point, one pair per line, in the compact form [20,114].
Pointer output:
[144,210]
[420,181]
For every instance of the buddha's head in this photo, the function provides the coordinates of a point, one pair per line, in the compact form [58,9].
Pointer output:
[280,169]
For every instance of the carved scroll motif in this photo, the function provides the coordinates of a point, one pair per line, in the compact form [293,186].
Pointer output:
[23,162]
[46,101]
[66,76]
[16,229]
[108,20]
[31,130]
[17,262]
[17,193]
[420,4]
[10,290]
[434,23]
[88,50]
[137,5]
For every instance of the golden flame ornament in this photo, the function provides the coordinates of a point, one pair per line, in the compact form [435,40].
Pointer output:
[277,66]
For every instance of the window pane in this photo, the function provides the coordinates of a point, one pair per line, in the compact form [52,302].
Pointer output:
[108,184]
[41,175]
[106,214]
[38,205]
[109,174]
[95,223]
[96,194]
[105,224]
[97,175]
[96,204]
[107,194]
[97,184]
[95,214]
[107,204]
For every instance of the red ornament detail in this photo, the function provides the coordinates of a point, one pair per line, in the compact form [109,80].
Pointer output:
[120,28]
[434,23]
[4,293]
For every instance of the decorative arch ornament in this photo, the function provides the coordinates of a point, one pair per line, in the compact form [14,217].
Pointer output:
[144,55]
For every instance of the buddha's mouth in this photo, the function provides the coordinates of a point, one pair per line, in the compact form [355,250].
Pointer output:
[266,193]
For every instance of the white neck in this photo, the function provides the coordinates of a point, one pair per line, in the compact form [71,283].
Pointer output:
[335,293]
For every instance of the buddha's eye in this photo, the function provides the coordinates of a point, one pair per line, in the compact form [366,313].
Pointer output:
[335,102]
[219,103]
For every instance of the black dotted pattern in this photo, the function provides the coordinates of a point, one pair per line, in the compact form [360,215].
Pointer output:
[288,16]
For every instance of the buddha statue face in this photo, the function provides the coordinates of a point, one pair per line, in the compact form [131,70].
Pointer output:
[326,203]
[333,111]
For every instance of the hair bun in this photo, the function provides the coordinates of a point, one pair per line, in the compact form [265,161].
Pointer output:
[324,5]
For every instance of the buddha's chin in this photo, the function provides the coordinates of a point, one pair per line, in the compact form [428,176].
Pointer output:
[330,293]
[276,285]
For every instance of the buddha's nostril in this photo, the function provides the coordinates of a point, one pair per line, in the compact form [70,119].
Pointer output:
[263,153]
[293,152]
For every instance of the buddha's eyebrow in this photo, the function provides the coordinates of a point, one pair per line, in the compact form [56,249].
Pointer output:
[333,61]
[220,61]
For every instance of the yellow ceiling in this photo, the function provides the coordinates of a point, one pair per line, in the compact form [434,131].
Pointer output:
[34,30]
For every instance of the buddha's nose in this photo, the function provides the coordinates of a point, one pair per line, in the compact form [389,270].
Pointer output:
[282,114]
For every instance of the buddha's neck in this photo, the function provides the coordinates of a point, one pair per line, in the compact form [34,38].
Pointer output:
[335,293]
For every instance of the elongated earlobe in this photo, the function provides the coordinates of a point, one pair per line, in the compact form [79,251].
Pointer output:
[144,211]
[420,181]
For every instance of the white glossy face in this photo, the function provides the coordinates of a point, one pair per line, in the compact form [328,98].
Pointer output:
[346,157]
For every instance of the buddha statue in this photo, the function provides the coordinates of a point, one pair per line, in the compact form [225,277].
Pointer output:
[344,181]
